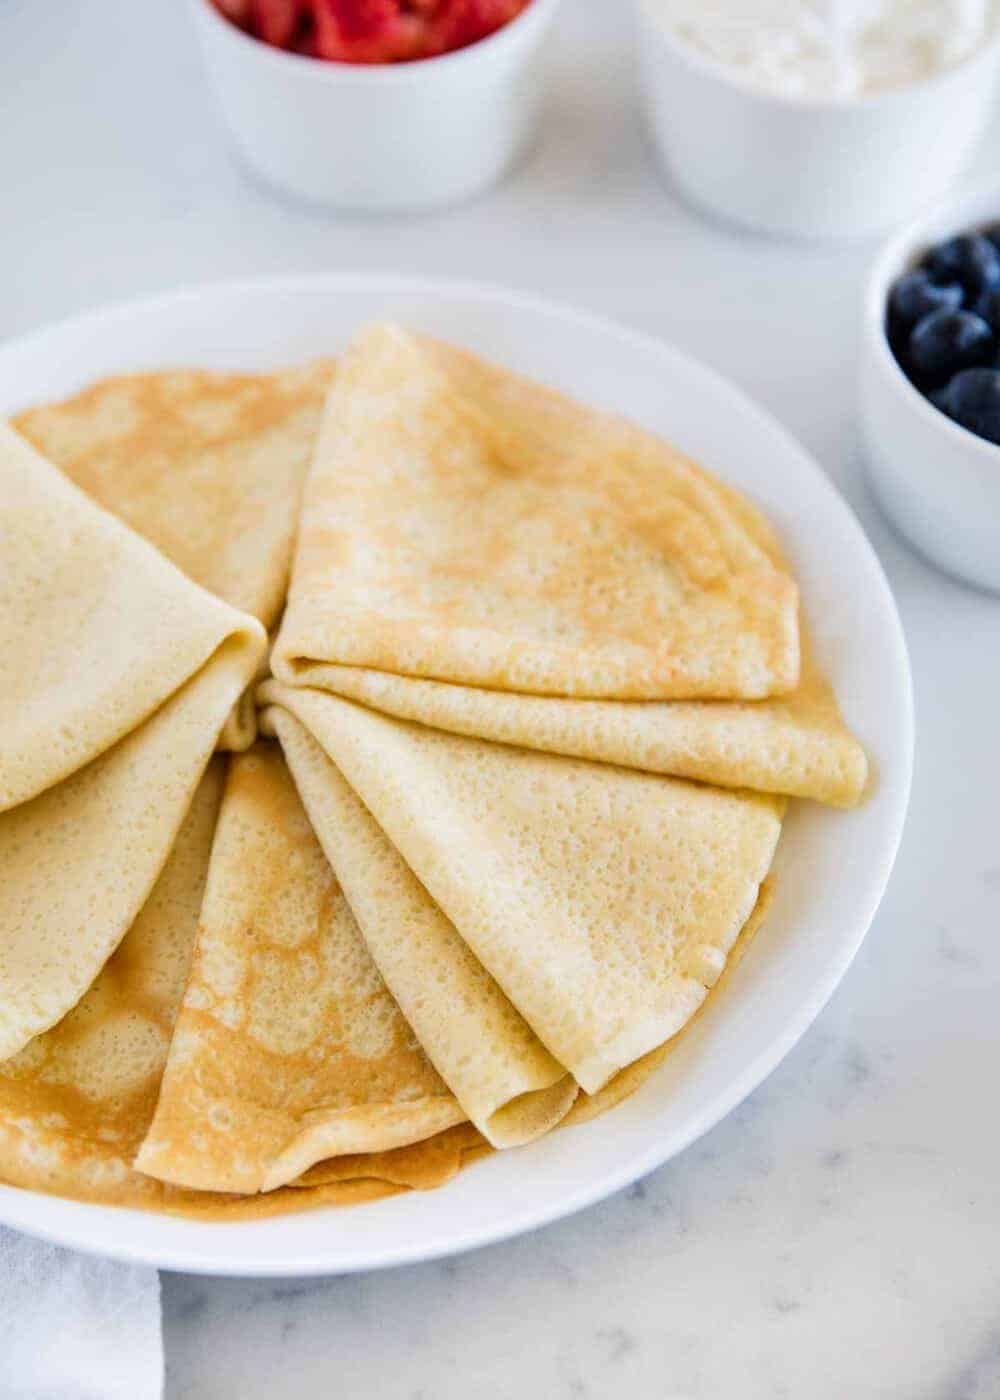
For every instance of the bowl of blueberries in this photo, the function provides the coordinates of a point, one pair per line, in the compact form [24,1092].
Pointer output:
[930,393]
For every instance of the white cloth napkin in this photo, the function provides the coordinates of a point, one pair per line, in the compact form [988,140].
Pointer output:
[76,1328]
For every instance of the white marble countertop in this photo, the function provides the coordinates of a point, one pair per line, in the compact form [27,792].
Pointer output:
[840,1234]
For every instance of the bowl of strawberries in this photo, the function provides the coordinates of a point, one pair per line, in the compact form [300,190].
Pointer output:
[377,105]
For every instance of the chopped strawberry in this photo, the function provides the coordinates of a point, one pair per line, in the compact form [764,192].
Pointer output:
[465,22]
[236,10]
[305,41]
[359,20]
[367,31]
[371,31]
[276,21]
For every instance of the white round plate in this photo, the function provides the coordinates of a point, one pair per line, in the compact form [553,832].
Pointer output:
[832,866]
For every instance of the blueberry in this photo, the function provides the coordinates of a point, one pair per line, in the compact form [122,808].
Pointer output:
[992,232]
[970,259]
[972,398]
[947,341]
[944,261]
[982,265]
[914,296]
[988,306]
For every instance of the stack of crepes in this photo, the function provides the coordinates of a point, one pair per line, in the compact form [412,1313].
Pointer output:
[534,709]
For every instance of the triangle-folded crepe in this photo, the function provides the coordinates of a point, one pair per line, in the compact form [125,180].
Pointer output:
[451,538]
[207,466]
[603,902]
[472,463]
[796,744]
[76,1101]
[117,674]
[508,1084]
[288,1048]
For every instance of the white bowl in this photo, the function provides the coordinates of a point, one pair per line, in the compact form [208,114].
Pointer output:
[380,137]
[808,168]
[937,481]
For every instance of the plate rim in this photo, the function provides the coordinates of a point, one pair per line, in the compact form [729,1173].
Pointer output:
[85,1223]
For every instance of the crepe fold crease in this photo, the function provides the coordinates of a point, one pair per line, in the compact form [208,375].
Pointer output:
[117,675]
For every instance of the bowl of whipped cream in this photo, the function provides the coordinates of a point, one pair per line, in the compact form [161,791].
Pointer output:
[817,118]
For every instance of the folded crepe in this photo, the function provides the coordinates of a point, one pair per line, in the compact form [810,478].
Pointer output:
[507,1083]
[631,1079]
[470,538]
[76,1101]
[446,540]
[603,902]
[794,744]
[207,466]
[288,1048]
[117,674]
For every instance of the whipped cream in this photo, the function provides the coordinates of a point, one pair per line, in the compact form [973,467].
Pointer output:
[831,48]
